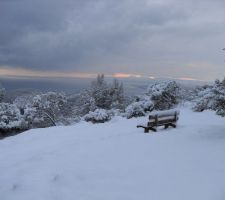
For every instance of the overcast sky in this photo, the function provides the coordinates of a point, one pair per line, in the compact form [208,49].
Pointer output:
[160,38]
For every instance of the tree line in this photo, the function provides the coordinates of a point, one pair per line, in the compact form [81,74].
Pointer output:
[101,101]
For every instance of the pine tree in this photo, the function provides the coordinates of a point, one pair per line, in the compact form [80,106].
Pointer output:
[117,94]
[100,91]
[2,93]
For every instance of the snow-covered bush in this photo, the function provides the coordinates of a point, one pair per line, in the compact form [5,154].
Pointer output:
[27,110]
[204,100]
[98,116]
[134,110]
[10,118]
[159,96]
[164,94]
[139,108]
[211,97]
[219,95]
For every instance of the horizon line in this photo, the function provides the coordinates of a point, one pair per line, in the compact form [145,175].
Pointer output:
[21,73]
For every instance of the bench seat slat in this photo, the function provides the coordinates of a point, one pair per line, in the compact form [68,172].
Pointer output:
[161,122]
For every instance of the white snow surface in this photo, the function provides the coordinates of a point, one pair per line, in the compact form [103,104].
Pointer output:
[117,161]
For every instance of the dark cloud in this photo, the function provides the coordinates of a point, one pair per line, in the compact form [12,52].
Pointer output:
[154,37]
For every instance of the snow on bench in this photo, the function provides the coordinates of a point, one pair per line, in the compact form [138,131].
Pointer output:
[162,118]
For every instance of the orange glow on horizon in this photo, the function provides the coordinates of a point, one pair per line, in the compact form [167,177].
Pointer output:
[27,73]
[20,72]
[123,75]
[187,79]
[152,77]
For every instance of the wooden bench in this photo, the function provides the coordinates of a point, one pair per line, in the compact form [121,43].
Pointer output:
[162,118]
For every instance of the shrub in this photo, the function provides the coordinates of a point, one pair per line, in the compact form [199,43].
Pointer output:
[138,109]
[10,118]
[211,97]
[98,116]
[219,95]
[204,100]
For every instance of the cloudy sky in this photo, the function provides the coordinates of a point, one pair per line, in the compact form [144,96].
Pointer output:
[155,38]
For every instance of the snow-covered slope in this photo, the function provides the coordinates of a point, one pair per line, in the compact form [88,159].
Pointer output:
[117,161]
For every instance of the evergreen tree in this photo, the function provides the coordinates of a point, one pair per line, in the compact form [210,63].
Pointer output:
[107,96]
[100,91]
[211,97]
[117,94]
[219,96]
[2,93]
[204,99]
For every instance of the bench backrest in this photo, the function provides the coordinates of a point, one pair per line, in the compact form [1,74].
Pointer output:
[163,117]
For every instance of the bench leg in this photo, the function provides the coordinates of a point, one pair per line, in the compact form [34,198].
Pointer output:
[153,129]
[146,130]
[150,128]
[173,125]
[166,126]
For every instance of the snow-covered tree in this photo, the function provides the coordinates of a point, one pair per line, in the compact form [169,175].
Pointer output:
[41,110]
[107,96]
[2,93]
[117,95]
[10,118]
[100,95]
[100,91]
[219,95]
[48,106]
[164,94]
[204,99]
[82,103]
[211,97]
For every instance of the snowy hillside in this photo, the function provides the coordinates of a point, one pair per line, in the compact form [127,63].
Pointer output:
[117,161]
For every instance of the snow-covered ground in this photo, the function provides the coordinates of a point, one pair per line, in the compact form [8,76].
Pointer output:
[117,161]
